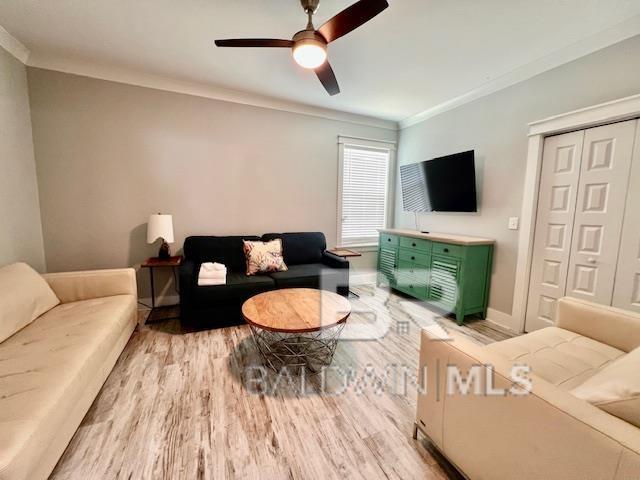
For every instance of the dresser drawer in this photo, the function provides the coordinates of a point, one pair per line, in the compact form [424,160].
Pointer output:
[417,243]
[418,273]
[407,285]
[388,240]
[414,256]
[447,249]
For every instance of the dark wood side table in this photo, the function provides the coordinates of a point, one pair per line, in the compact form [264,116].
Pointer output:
[346,253]
[153,263]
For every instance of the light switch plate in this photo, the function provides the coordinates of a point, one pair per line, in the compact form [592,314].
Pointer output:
[513,223]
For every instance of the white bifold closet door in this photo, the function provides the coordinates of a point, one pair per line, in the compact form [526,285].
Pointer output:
[602,194]
[581,207]
[626,290]
[556,207]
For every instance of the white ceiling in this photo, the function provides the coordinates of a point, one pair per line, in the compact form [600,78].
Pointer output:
[413,57]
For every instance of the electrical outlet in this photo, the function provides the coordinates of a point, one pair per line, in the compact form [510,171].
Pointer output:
[513,223]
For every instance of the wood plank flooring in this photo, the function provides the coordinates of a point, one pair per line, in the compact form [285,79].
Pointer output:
[183,406]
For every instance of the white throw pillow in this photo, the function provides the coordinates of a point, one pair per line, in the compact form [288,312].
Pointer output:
[264,257]
[616,388]
[24,296]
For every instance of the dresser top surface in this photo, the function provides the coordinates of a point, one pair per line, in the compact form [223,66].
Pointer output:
[440,237]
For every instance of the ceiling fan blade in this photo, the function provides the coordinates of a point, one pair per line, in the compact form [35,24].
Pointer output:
[254,42]
[351,18]
[328,78]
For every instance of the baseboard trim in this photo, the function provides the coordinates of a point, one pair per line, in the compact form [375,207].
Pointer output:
[161,300]
[501,319]
[363,278]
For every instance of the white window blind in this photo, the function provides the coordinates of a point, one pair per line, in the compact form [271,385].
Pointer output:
[365,182]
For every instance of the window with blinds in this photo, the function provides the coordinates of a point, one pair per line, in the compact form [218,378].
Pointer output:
[365,186]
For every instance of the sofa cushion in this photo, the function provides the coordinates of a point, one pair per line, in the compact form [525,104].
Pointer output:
[24,296]
[300,248]
[45,368]
[239,287]
[616,388]
[561,357]
[225,250]
[311,275]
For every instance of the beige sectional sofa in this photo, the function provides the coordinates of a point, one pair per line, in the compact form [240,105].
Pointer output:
[555,431]
[59,339]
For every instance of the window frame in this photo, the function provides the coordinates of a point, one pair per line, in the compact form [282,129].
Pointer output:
[390,146]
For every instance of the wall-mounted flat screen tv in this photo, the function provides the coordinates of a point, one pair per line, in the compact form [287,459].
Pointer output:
[444,184]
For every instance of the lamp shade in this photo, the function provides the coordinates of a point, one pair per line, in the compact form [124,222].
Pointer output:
[160,226]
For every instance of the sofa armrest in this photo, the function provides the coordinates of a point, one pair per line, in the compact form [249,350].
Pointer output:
[546,433]
[188,277]
[609,325]
[84,285]
[334,261]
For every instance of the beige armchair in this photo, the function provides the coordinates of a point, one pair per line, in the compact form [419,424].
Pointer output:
[548,433]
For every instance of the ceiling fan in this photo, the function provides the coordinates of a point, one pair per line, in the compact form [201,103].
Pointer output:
[309,46]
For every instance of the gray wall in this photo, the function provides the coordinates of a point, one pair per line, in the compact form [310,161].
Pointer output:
[496,128]
[20,228]
[109,154]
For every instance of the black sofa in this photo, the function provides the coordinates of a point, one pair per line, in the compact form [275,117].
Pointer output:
[309,265]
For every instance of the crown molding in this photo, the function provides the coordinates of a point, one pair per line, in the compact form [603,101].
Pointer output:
[14,46]
[609,112]
[603,39]
[140,79]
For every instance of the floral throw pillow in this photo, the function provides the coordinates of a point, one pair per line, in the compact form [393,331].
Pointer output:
[264,257]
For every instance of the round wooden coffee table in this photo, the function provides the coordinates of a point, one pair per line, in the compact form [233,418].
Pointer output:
[296,328]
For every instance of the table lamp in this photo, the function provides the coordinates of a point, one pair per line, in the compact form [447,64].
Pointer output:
[161,226]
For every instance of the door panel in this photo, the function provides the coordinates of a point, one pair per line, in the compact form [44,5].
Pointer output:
[626,293]
[602,192]
[556,208]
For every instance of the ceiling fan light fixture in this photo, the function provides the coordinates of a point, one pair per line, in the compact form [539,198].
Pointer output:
[309,53]
[309,46]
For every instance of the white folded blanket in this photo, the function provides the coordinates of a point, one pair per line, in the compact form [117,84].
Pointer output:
[212,266]
[212,270]
[212,275]
[211,281]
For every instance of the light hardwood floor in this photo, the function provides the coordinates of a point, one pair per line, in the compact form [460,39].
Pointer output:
[177,406]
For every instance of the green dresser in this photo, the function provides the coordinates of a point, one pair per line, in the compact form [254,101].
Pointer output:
[449,272]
